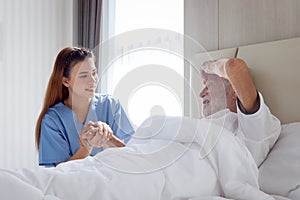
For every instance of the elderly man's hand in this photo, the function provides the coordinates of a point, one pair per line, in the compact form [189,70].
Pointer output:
[95,134]
[102,136]
[217,67]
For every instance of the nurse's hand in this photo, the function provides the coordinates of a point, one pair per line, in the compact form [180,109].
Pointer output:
[104,136]
[85,135]
[99,134]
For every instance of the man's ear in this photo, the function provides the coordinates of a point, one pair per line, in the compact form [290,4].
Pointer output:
[65,82]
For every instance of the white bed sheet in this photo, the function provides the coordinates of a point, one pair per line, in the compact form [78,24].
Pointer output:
[280,172]
[166,165]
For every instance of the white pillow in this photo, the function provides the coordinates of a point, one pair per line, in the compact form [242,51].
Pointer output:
[280,172]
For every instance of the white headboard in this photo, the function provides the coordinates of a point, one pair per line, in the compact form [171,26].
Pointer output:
[275,68]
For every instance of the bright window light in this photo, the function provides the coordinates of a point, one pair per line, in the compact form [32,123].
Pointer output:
[156,92]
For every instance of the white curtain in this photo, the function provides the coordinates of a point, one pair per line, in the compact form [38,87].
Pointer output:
[32,32]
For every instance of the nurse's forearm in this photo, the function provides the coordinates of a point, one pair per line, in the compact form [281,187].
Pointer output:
[81,153]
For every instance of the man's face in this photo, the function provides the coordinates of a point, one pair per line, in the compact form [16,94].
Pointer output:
[214,94]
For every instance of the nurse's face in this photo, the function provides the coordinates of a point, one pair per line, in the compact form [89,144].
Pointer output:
[214,94]
[83,79]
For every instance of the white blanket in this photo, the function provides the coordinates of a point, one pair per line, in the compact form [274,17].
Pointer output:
[168,158]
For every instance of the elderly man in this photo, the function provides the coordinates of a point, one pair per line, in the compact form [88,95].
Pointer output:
[230,98]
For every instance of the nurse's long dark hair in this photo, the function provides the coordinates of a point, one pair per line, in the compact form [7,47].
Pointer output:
[56,91]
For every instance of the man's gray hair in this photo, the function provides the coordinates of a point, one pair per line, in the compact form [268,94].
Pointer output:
[208,62]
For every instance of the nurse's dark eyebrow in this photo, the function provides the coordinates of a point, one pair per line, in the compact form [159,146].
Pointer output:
[85,72]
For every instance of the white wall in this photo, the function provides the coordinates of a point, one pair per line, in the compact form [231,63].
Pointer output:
[31,34]
[254,21]
[221,24]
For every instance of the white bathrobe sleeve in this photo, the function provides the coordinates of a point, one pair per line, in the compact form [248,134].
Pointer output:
[258,131]
[236,169]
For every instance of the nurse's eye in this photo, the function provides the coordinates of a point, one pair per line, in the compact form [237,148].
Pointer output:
[83,76]
[94,73]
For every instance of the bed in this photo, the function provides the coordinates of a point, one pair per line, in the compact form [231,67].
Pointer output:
[278,177]
[275,68]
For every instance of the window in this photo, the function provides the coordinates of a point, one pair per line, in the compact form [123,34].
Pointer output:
[147,79]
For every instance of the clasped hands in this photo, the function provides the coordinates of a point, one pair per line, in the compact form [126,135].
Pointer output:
[95,134]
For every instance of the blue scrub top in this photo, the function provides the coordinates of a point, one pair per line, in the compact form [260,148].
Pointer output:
[60,128]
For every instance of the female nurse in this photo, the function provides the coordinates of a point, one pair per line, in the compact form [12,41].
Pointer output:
[76,122]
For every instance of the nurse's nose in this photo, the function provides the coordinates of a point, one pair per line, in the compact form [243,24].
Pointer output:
[93,78]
